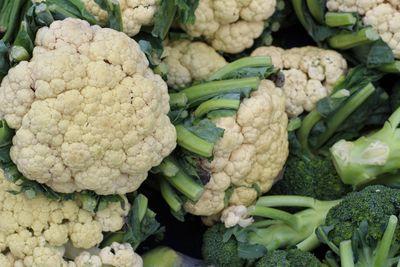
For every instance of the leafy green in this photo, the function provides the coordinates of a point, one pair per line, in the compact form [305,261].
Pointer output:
[206,129]
[114,13]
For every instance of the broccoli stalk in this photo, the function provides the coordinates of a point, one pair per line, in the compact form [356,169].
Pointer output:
[280,229]
[273,229]
[167,257]
[363,160]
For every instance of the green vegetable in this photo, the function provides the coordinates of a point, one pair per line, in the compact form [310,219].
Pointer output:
[288,258]
[311,176]
[273,229]
[167,257]
[363,228]
[363,160]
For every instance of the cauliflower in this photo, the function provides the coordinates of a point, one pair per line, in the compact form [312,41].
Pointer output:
[135,13]
[231,25]
[310,74]
[121,255]
[190,61]
[383,16]
[236,215]
[88,111]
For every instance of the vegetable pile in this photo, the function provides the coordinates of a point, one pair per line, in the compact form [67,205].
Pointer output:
[189,133]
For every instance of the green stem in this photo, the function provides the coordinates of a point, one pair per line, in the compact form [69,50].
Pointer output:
[113,237]
[6,7]
[309,244]
[343,113]
[193,143]
[307,124]
[170,196]
[177,100]
[385,243]
[391,67]
[6,134]
[61,13]
[346,254]
[286,201]
[215,104]
[142,203]
[207,90]
[394,119]
[347,40]
[275,214]
[340,19]
[316,9]
[246,62]
[298,7]
[13,21]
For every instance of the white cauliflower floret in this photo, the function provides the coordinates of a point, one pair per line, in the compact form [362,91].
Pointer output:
[7,260]
[310,74]
[236,215]
[85,259]
[46,257]
[88,111]
[385,19]
[190,61]
[121,255]
[231,25]
[251,152]
[135,13]
[359,6]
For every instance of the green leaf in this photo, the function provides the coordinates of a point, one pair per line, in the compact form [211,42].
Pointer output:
[164,19]
[375,54]
[186,11]
[114,13]
[4,62]
[206,129]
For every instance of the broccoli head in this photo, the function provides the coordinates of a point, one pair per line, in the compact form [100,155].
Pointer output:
[288,258]
[373,205]
[219,253]
[313,177]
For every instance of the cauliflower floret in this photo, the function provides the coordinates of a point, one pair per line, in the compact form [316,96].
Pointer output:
[251,152]
[135,13]
[88,111]
[87,260]
[310,74]
[190,61]
[121,255]
[7,260]
[236,215]
[231,25]
[385,19]
[359,6]
[46,257]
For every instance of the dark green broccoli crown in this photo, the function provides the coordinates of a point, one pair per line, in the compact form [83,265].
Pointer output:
[373,204]
[289,258]
[219,253]
[315,177]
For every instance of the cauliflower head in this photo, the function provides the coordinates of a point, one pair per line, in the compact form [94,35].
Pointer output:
[36,230]
[135,13]
[231,25]
[190,61]
[383,16]
[310,74]
[251,152]
[88,111]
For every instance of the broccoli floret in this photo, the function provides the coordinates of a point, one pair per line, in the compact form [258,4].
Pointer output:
[219,253]
[373,205]
[311,176]
[289,258]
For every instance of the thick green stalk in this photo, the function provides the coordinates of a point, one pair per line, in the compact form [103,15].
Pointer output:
[385,243]
[13,21]
[193,143]
[6,7]
[286,201]
[309,244]
[347,40]
[298,7]
[346,254]
[275,214]
[316,10]
[343,113]
[391,67]
[6,134]
[216,104]
[340,19]
[177,100]
[182,181]
[142,203]
[162,257]
[208,90]
[303,132]
[170,196]
[246,62]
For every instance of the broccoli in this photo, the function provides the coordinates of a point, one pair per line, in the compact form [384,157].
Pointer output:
[219,253]
[372,206]
[362,250]
[288,258]
[310,176]
[363,160]
[273,229]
